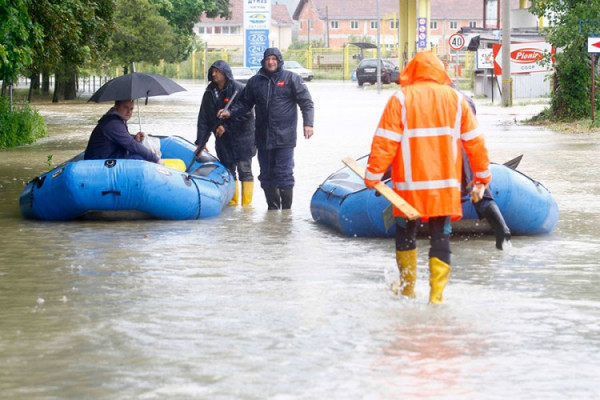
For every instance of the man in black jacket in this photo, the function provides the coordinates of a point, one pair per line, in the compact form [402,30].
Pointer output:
[276,94]
[111,138]
[234,138]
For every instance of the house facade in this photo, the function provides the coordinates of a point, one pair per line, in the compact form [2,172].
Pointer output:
[228,34]
[337,22]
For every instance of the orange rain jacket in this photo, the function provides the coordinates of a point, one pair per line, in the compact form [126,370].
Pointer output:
[420,134]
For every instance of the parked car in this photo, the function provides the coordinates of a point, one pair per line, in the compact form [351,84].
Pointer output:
[296,67]
[242,74]
[367,71]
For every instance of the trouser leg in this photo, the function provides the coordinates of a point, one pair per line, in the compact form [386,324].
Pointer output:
[406,257]
[439,257]
[277,177]
[247,179]
[231,167]
[494,217]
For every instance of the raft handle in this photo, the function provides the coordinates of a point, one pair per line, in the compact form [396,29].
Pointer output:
[115,192]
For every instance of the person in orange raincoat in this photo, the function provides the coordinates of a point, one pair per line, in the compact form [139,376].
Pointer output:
[420,135]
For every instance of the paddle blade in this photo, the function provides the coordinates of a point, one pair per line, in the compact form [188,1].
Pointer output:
[514,163]
[388,217]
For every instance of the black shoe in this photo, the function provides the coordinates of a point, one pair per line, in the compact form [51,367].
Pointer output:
[287,196]
[494,217]
[273,198]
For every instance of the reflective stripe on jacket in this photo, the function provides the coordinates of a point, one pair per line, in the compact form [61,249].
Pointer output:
[420,135]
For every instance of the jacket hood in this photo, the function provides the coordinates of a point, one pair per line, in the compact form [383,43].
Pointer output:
[273,51]
[425,66]
[223,67]
[111,114]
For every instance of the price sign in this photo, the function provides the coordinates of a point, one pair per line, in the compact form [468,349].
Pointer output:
[456,41]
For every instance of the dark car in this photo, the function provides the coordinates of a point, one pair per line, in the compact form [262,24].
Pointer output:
[367,71]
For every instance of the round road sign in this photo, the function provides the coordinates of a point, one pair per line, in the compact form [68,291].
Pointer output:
[456,41]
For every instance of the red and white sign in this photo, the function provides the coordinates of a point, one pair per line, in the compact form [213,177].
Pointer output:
[524,57]
[593,44]
[456,41]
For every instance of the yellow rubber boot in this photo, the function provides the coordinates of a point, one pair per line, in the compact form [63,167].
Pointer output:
[407,266]
[247,190]
[236,195]
[439,274]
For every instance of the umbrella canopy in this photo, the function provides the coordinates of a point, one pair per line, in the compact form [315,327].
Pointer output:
[135,85]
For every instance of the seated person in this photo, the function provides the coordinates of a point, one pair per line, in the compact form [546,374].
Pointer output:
[111,138]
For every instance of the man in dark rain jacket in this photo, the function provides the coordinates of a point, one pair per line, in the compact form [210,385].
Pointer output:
[234,138]
[111,138]
[276,94]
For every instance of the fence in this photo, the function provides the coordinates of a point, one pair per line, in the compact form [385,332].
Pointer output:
[336,64]
[332,64]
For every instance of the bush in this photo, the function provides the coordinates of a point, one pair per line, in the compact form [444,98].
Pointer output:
[22,125]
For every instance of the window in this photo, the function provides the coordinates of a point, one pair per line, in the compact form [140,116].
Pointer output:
[353,24]
[234,30]
[473,24]
[225,30]
[394,24]
[433,25]
[217,30]
[373,24]
[453,24]
[334,25]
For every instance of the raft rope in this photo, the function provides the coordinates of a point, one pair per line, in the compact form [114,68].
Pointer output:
[190,177]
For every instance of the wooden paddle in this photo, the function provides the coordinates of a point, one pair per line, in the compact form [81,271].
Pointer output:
[384,190]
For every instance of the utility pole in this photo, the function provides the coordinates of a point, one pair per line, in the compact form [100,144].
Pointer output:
[327,26]
[378,52]
[506,79]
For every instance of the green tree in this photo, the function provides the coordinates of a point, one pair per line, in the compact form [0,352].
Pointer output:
[75,34]
[18,36]
[183,14]
[141,34]
[571,22]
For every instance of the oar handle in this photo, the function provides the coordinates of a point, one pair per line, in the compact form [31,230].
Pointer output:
[196,152]
[387,192]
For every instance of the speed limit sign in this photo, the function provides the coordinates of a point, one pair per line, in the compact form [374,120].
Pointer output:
[456,41]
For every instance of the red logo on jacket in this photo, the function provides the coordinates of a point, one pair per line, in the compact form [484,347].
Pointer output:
[226,100]
[281,83]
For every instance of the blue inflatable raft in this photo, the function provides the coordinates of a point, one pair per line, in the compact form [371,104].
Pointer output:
[126,188]
[342,202]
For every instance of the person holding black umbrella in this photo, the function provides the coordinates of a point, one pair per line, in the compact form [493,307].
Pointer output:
[111,138]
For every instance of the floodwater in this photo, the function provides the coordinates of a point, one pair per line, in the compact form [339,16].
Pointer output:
[269,305]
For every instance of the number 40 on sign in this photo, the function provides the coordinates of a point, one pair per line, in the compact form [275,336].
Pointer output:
[456,41]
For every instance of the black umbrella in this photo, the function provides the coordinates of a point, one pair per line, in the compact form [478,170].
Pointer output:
[135,85]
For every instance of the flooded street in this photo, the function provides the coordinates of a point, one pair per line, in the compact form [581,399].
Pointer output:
[269,305]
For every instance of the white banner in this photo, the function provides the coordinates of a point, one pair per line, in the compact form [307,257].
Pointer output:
[524,57]
[485,59]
